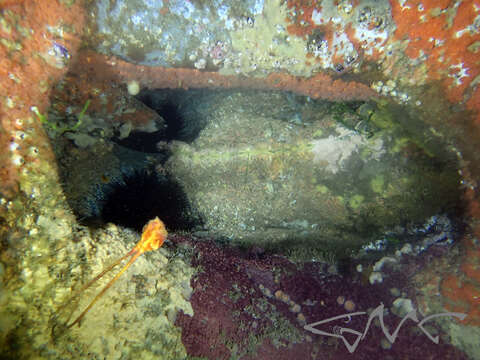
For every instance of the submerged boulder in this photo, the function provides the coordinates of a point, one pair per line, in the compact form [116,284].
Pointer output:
[275,169]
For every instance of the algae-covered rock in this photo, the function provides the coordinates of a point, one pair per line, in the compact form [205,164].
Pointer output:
[251,37]
[290,170]
[138,313]
[171,33]
[135,318]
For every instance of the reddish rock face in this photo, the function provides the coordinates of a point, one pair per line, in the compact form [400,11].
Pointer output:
[255,307]
[31,61]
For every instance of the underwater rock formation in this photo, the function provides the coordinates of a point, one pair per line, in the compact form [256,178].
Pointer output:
[254,305]
[273,167]
[422,54]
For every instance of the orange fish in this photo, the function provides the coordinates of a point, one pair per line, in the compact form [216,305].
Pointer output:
[153,236]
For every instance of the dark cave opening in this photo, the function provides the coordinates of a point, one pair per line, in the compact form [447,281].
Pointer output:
[174,106]
[143,195]
[175,122]
[128,187]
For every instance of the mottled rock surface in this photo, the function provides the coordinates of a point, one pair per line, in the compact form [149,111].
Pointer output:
[274,167]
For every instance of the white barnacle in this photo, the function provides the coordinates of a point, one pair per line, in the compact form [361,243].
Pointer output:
[133,87]
[459,72]
[375,277]
[13,146]
[17,160]
[20,135]
[33,151]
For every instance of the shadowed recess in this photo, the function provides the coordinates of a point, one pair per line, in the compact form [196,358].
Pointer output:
[144,195]
[177,108]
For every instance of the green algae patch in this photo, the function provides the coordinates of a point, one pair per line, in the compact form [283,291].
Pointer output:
[356,201]
[377,184]
[322,189]
[254,45]
[383,119]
